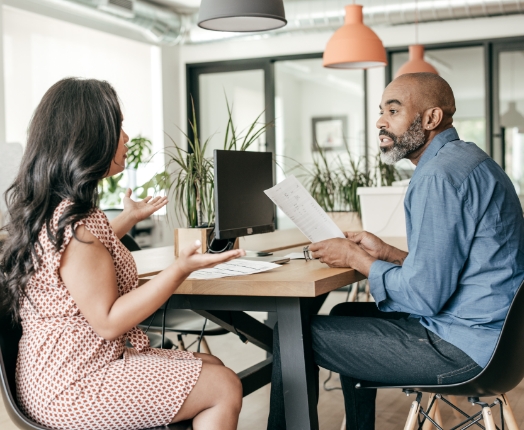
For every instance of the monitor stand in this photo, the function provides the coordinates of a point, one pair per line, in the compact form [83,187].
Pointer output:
[216,246]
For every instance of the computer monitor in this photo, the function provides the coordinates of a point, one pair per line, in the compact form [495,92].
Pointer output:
[241,206]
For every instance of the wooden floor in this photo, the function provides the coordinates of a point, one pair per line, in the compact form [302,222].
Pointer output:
[392,405]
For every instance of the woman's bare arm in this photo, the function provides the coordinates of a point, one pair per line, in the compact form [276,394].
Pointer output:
[88,272]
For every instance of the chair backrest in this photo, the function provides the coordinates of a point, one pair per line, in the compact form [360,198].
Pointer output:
[505,369]
[130,243]
[9,338]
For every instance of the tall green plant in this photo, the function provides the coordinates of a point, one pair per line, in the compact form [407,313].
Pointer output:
[387,173]
[333,183]
[139,148]
[192,183]
[350,178]
[232,138]
[323,182]
[110,189]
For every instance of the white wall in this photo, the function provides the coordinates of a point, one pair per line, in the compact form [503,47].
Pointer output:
[245,94]
[36,55]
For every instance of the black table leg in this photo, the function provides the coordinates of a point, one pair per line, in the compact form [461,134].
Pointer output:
[298,369]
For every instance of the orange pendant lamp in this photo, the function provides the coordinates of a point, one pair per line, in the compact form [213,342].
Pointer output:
[416,63]
[354,45]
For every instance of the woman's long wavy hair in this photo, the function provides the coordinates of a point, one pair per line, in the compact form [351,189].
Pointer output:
[72,140]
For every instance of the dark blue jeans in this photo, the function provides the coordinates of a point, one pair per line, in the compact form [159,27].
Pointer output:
[362,343]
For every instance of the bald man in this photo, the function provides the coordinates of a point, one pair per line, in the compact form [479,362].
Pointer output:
[438,309]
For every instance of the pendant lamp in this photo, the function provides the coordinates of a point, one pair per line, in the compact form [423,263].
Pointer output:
[241,15]
[512,118]
[354,45]
[416,63]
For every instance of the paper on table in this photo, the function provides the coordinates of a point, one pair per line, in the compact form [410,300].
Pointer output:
[295,256]
[236,267]
[294,200]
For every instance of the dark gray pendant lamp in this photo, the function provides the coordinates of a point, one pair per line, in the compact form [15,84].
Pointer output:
[241,15]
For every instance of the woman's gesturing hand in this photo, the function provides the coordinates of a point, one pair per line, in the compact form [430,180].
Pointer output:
[191,260]
[140,210]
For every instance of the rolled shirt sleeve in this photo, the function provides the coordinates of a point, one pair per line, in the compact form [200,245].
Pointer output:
[440,230]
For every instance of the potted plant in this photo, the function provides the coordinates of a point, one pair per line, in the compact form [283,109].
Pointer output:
[191,183]
[111,189]
[333,184]
[337,183]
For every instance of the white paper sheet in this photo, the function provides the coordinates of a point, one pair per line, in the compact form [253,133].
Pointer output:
[236,267]
[295,201]
[296,256]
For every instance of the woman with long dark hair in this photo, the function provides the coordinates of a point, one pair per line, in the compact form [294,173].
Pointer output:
[67,277]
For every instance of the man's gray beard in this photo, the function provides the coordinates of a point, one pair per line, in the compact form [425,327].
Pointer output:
[412,139]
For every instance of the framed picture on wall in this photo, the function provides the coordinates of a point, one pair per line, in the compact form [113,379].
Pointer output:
[329,132]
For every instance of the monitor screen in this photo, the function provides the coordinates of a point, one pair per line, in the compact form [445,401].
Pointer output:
[241,206]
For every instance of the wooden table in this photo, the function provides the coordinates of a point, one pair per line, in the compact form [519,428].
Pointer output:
[295,291]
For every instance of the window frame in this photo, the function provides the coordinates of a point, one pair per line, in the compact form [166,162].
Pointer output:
[491,51]
[267,64]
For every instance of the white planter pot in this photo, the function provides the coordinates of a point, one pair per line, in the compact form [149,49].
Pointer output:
[383,210]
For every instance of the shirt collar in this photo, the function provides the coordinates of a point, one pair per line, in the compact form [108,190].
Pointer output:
[436,145]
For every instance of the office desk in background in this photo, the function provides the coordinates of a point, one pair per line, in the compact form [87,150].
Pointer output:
[295,291]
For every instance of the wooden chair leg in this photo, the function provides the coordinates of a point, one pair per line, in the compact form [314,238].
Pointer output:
[368,292]
[509,418]
[488,418]
[353,293]
[434,414]
[181,345]
[343,426]
[411,422]
[204,347]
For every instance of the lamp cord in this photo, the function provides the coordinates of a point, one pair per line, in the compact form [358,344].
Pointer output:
[416,22]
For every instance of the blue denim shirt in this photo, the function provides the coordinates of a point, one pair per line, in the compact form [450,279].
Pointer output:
[465,234]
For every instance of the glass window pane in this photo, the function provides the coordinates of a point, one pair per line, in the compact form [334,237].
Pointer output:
[244,91]
[463,69]
[37,55]
[316,106]
[511,102]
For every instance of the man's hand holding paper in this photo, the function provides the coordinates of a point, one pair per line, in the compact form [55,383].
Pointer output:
[330,245]
[342,253]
